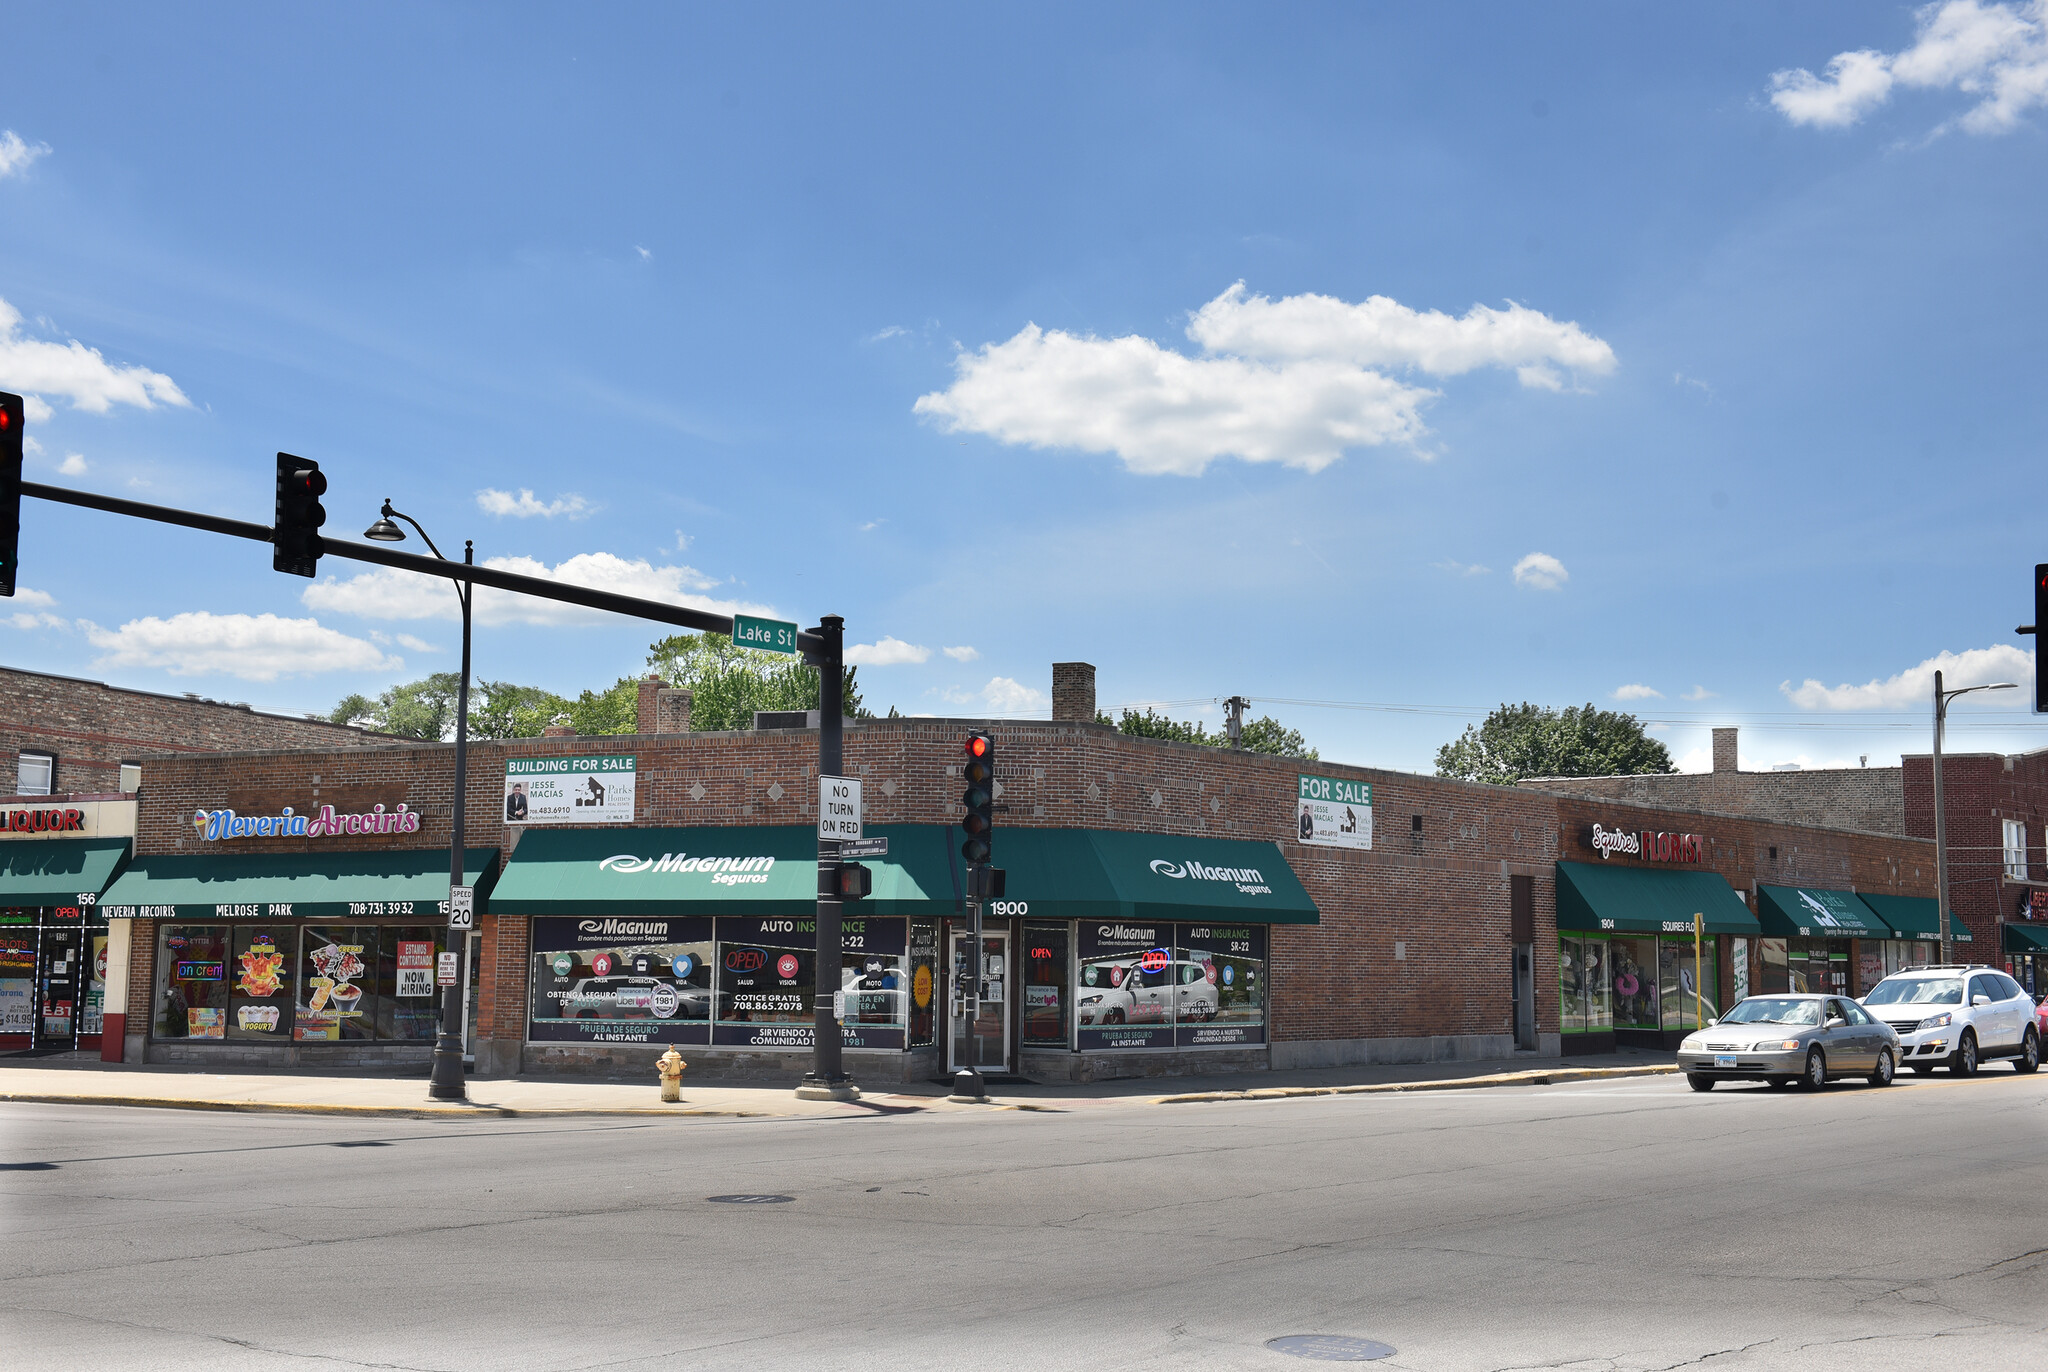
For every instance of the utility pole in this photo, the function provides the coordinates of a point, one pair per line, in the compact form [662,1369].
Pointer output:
[1233,719]
[827,1079]
[1941,700]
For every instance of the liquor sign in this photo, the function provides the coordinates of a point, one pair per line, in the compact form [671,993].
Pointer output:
[1646,844]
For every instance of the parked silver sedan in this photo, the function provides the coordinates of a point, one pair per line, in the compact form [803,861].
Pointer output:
[1783,1039]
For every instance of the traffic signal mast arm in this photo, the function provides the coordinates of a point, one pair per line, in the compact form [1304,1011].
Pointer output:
[412,562]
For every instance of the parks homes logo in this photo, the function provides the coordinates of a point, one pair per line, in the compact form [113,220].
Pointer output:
[1248,880]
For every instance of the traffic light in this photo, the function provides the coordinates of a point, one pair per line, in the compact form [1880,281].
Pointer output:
[980,797]
[2040,618]
[10,489]
[295,533]
[855,881]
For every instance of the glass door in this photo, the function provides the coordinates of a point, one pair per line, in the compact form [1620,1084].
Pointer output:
[472,957]
[983,1041]
[58,983]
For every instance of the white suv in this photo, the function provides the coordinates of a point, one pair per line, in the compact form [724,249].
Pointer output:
[1957,1016]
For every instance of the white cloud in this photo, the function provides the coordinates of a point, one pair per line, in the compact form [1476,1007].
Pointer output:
[963,653]
[525,506]
[889,652]
[76,372]
[28,441]
[1997,53]
[37,619]
[1007,697]
[16,153]
[1914,687]
[391,594]
[645,255]
[417,645]
[1698,693]
[252,647]
[1541,572]
[23,595]
[1288,381]
[1637,691]
[1456,568]
[72,465]
[883,335]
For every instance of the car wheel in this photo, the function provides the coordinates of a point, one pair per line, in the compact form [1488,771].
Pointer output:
[1698,1082]
[1963,1062]
[1883,1073]
[2030,1052]
[1816,1075]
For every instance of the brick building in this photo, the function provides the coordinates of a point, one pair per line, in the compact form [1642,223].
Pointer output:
[1997,876]
[1170,907]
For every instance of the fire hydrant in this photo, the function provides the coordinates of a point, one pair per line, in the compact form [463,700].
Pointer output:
[671,1067]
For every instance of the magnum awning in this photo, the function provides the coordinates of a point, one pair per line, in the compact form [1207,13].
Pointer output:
[58,871]
[1647,900]
[2026,938]
[1816,912]
[315,885]
[1915,917]
[1119,874]
[757,870]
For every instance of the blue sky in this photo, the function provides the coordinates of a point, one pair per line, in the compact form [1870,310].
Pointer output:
[1417,356]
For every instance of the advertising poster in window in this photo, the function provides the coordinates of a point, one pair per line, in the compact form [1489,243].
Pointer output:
[1125,996]
[1048,993]
[765,984]
[924,983]
[621,979]
[332,972]
[17,981]
[94,1020]
[260,1001]
[415,968]
[1219,974]
[193,966]
[570,790]
[875,976]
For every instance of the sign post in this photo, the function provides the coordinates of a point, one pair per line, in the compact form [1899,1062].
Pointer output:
[838,817]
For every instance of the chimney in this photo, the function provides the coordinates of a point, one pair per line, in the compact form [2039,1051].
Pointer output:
[644,719]
[1073,692]
[672,711]
[558,731]
[1724,750]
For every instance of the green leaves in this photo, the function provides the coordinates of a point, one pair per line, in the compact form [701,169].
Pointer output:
[727,684]
[1520,741]
[1262,735]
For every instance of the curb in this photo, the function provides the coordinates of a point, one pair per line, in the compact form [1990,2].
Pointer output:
[248,1107]
[1531,1078]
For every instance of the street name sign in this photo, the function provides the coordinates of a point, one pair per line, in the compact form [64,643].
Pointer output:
[864,848]
[462,907]
[769,635]
[838,807]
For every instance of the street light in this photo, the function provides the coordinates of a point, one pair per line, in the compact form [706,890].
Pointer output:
[446,1080]
[1941,700]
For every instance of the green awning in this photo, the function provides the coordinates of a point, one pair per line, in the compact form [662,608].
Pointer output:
[1816,912]
[1914,917]
[1118,874]
[58,871]
[1645,900]
[755,870]
[316,885]
[2026,938]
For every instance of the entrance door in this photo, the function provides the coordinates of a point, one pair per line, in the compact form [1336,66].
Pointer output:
[60,976]
[472,957]
[982,1042]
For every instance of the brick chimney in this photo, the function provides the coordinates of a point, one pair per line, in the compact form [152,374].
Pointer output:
[558,731]
[672,711]
[1073,692]
[1724,750]
[643,711]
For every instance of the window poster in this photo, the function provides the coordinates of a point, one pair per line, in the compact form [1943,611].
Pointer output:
[193,962]
[260,1002]
[1219,985]
[765,982]
[621,979]
[415,968]
[332,968]
[1048,985]
[94,1009]
[17,981]
[1126,992]
[874,976]
[924,978]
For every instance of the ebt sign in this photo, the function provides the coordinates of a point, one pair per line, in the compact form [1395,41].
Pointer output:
[1647,845]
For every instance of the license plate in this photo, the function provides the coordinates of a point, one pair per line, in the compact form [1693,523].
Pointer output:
[1724,1059]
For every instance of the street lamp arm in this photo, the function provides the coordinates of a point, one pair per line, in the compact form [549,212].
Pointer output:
[390,513]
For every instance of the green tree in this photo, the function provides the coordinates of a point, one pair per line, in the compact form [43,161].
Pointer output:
[505,709]
[417,709]
[1518,741]
[1262,735]
[727,684]
[613,711]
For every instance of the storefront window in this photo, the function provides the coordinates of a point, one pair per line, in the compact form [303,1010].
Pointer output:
[766,983]
[623,980]
[1048,988]
[335,968]
[1738,968]
[1220,979]
[1869,965]
[1125,999]
[874,975]
[1635,983]
[1902,954]
[260,989]
[924,974]
[1678,979]
[192,982]
[1773,976]
[1584,985]
[408,1008]
[17,978]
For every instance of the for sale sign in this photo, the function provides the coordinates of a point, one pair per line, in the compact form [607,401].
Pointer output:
[1334,812]
[570,790]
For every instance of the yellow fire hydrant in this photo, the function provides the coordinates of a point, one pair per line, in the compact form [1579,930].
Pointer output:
[671,1068]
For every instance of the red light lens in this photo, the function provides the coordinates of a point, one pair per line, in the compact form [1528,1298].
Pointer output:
[977,746]
[6,419]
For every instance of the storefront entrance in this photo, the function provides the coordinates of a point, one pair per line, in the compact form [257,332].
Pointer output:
[52,980]
[982,1042]
[58,987]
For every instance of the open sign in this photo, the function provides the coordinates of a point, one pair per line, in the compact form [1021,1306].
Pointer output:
[1155,960]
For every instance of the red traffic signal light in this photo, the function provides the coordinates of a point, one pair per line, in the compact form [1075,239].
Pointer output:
[979,798]
[11,408]
[855,881]
[295,532]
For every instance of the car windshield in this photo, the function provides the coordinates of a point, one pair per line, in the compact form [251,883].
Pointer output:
[1916,991]
[1774,1010]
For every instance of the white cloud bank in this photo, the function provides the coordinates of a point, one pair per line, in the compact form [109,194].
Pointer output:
[391,594]
[252,647]
[963,653]
[889,652]
[1637,691]
[16,153]
[1291,381]
[525,505]
[1007,697]
[1914,687]
[1541,572]
[39,368]
[1998,53]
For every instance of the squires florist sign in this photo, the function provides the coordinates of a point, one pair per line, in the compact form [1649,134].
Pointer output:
[1644,844]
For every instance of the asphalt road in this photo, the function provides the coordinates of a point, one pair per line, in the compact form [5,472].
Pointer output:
[1620,1226]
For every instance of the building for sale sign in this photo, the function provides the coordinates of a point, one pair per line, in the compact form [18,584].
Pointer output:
[569,790]
[1334,812]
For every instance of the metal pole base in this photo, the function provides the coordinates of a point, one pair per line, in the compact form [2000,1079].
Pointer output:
[447,1082]
[968,1086]
[815,1087]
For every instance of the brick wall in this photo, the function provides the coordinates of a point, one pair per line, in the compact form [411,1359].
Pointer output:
[1982,790]
[1869,799]
[92,728]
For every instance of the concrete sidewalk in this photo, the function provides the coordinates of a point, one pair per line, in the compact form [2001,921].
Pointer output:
[79,1081]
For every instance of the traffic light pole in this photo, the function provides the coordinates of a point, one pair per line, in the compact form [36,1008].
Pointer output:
[827,1079]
